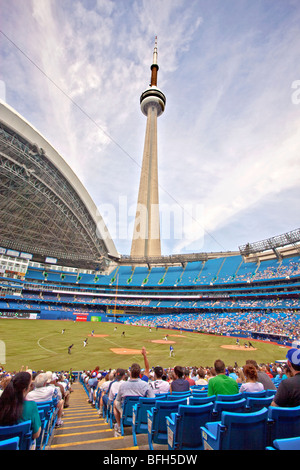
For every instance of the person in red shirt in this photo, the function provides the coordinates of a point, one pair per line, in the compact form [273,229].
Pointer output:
[187,377]
[267,370]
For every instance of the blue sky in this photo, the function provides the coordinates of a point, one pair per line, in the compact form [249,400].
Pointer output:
[229,140]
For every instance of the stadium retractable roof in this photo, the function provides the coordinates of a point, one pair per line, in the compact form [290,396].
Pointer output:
[44,208]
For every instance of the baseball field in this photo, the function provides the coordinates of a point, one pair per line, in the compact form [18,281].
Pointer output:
[44,344]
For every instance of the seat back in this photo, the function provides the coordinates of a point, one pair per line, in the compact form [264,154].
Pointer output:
[284,422]
[270,393]
[261,394]
[21,430]
[199,387]
[194,400]
[50,413]
[237,406]
[162,409]
[244,431]
[10,444]
[199,393]
[144,404]
[188,422]
[162,395]
[174,396]
[51,403]
[255,404]
[292,443]
[235,397]
[127,405]
[40,439]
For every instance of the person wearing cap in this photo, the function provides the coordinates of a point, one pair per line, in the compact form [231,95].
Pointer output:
[288,392]
[158,384]
[45,390]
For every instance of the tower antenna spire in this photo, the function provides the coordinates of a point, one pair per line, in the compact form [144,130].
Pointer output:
[154,67]
[155,52]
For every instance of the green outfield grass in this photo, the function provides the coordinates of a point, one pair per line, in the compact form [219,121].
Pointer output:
[40,344]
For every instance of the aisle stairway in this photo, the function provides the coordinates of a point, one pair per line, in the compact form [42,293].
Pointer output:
[83,429]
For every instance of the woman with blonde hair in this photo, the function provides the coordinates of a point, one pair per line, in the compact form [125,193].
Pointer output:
[241,376]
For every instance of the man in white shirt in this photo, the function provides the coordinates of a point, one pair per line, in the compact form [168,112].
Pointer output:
[41,391]
[134,386]
[44,392]
[115,384]
[159,385]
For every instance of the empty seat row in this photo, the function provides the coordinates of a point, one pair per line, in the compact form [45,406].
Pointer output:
[251,431]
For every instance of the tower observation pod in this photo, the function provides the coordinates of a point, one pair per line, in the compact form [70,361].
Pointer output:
[146,234]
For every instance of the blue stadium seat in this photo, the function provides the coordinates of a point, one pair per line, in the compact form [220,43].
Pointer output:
[255,404]
[178,395]
[183,426]
[201,388]
[10,444]
[98,398]
[48,416]
[235,397]
[22,430]
[126,418]
[50,411]
[283,422]
[156,418]
[139,415]
[270,393]
[237,431]
[199,393]
[194,400]
[261,394]
[292,443]
[110,412]
[237,406]
[40,441]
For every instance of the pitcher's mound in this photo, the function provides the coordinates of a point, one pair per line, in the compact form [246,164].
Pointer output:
[99,336]
[162,341]
[125,351]
[237,348]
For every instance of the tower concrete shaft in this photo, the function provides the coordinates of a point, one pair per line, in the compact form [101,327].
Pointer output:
[146,236]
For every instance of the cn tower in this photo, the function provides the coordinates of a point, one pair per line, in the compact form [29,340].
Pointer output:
[146,235]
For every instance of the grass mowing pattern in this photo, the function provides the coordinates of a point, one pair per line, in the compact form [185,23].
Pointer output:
[40,344]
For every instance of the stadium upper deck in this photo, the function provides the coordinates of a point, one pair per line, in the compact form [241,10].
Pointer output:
[45,210]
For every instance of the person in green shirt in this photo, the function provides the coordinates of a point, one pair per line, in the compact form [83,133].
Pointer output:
[13,405]
[221,384]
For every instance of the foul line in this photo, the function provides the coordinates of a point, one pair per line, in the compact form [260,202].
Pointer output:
[49,350]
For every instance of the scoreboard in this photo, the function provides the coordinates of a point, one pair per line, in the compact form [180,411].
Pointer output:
[19,314]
